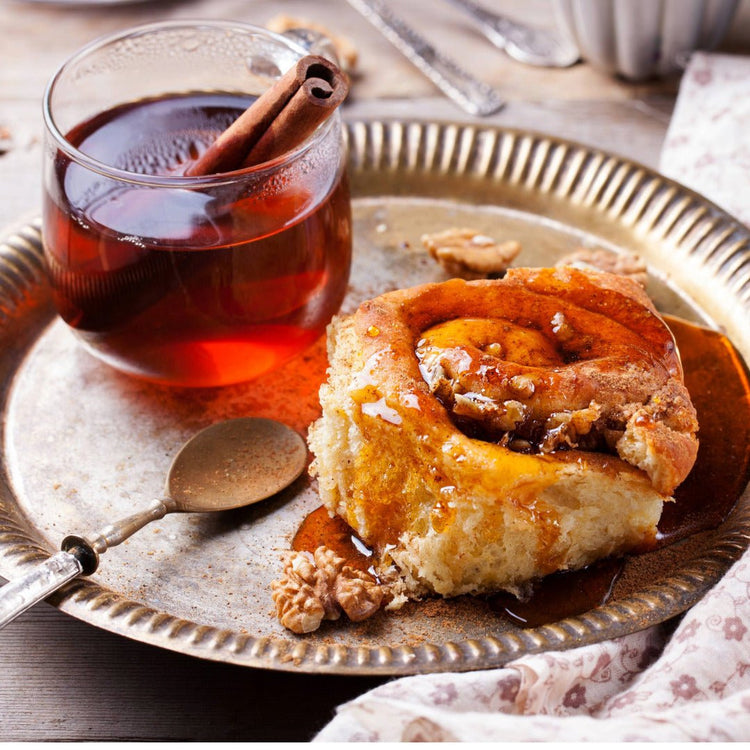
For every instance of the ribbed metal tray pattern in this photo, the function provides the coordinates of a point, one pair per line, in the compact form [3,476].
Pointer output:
[407,177]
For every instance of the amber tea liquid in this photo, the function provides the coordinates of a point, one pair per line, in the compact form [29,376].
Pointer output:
[193,286]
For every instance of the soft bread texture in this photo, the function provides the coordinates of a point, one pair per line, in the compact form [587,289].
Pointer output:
[458,514]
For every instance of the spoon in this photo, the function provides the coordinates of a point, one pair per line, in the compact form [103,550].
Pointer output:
[227,465]
[528,45]
[475,96]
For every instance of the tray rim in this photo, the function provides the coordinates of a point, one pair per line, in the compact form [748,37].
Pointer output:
[374,145]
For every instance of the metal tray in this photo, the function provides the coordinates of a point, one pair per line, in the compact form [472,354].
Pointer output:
[83,444]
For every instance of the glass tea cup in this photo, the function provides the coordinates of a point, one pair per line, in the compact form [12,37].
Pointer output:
[189,281]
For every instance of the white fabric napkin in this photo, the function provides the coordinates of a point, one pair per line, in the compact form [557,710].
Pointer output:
[692,684]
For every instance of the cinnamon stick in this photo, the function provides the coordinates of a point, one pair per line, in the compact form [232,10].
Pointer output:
[280,119]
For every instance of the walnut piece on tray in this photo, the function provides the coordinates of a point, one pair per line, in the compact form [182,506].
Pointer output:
[624,264]
[465,253]
[320,586]
[345,51]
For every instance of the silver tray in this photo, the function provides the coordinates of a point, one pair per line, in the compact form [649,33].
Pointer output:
[83,444]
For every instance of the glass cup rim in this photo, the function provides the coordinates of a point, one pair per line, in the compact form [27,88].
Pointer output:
[172,181]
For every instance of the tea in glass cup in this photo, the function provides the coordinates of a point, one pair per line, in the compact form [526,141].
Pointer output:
[188,280]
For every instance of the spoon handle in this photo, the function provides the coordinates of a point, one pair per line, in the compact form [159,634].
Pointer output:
[18,595]
[78,555]
[116,533]
[476,97]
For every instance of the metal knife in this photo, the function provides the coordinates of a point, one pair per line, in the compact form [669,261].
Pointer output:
[476,97]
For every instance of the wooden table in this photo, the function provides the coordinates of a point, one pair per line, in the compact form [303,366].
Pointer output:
[65,680]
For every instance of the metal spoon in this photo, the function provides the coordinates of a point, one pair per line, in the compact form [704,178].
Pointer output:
[475,96]
[227,465]
[523,43]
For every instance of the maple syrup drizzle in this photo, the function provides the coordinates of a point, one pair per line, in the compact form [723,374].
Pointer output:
[561,595]
[718,381]
[719,385]
[320,529]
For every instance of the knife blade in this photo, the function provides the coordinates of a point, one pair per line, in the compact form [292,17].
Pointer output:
[476,97]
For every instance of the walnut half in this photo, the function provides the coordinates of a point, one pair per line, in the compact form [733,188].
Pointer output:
[319,586]
[624,264]
[466,254]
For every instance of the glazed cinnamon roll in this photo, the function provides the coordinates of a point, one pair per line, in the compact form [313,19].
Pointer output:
[481,434]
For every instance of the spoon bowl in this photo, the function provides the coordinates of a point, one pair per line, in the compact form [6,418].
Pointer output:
[526,44]
[235,463]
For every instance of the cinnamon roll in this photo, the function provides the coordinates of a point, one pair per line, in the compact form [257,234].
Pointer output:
[482,434]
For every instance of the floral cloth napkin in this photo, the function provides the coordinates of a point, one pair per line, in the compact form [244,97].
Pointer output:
[707,146]
[687,684]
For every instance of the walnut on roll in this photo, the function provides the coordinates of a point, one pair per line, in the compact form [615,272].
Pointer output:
[479,435]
